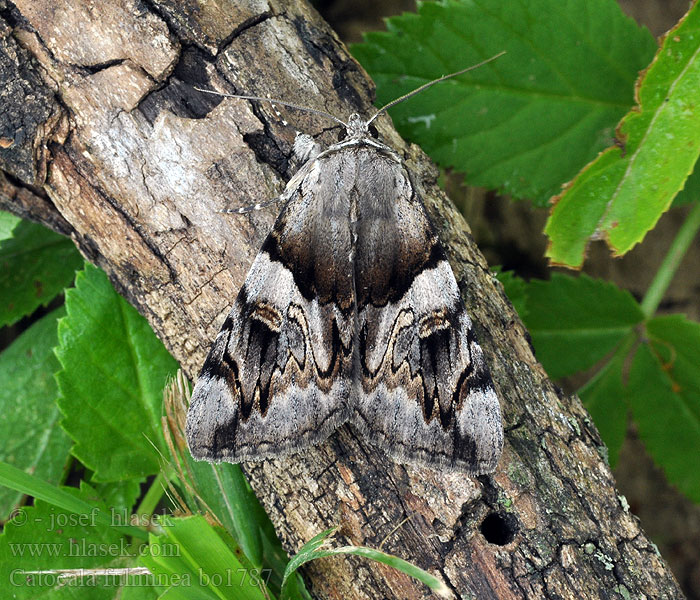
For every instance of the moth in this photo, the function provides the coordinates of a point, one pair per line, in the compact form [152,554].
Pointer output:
[350,313]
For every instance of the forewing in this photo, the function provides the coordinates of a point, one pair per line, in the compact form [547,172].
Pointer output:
[426,394]
[279,375]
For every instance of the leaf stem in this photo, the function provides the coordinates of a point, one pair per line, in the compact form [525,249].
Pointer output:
[153,495]
[671,261]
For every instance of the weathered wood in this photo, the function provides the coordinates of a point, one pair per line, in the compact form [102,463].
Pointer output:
[104,138]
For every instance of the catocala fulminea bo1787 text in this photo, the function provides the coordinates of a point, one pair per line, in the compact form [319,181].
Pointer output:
[350,313]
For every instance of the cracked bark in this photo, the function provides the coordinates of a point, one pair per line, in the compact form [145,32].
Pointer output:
[104,139]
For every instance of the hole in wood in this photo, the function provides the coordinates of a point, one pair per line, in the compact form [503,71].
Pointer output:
[499,529]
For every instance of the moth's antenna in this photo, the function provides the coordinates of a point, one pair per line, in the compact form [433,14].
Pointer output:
[273,101]
[425,86]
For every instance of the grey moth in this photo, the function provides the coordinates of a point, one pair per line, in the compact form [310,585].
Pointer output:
[350,313]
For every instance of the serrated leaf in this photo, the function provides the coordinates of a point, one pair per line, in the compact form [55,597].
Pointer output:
[45,538]
[691,190]
[31,438]
[193,559]
[678,340]
[621,195]
[664,395]
[576,321]
[605,399]
[114,370]
[529,121]
[36,264]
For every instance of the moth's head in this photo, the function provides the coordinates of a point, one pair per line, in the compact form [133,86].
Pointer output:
[356,127]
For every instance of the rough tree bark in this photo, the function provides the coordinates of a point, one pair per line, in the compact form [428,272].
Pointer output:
[103,138]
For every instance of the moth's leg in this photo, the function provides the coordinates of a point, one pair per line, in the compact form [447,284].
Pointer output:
[305,149]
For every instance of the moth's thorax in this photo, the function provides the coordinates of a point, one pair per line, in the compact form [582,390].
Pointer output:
[358,136]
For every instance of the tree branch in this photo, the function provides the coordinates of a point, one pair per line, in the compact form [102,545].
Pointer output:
[111,145]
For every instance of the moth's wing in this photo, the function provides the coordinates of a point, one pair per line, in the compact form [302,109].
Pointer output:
[426,393]
[278,376]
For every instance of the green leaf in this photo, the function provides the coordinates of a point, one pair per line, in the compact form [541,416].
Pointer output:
[140,587]
[63,498]
[576,321]
[621,195]
[35,265]
[529,121]
[225,491]
[664,394]
[605,399]
[515,288]
[8,222]
[311,551]
[691,191]
[194,560]
[114,370]
[45,538]
[32,439]
[120,496]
